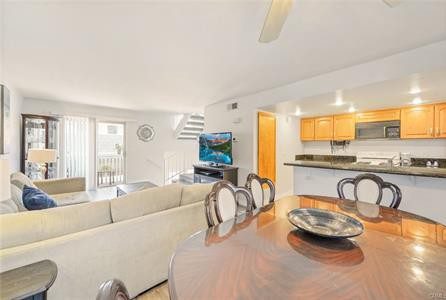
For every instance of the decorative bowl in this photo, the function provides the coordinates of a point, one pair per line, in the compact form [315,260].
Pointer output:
[325,223]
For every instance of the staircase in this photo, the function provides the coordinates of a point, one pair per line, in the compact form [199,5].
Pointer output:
[190,127]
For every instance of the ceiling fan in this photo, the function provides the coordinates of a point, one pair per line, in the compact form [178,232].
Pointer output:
[277,14]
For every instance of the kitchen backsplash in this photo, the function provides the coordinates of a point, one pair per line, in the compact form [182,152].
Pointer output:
[416,148]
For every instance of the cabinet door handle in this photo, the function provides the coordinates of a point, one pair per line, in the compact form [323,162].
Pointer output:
[431,131]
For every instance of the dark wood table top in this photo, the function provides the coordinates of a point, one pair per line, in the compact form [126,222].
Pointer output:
[262,256]
[27,281]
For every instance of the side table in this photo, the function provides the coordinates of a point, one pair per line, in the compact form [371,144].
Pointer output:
[28,282]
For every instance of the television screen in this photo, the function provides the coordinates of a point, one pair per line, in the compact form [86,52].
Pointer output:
[216,147]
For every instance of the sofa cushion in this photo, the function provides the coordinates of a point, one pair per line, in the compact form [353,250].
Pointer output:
[8,206]
[195,193]
[71,198]
[16,196]
[20,180]
[35,199]
[138,204]
[32,226]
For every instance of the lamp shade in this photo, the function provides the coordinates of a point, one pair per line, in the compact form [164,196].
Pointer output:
[5,186]
[42,156]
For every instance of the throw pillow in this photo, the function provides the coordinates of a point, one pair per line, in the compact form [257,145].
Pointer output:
[22,178]
[16,196]
[34,199]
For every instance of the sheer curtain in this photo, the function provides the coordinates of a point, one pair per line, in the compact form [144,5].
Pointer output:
[75,146]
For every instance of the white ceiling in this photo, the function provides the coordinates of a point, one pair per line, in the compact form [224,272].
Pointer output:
[183,55]
[429,87]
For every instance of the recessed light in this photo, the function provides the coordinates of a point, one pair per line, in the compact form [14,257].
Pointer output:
[351,109]
[415,90]
[298,111]
[339,99]
[417,100]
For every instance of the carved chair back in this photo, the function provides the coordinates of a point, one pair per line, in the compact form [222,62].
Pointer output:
[255,184]
[113,289]
[369,188]
[226,201]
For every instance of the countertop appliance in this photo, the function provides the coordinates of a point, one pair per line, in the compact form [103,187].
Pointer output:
[378,130]
[378,158]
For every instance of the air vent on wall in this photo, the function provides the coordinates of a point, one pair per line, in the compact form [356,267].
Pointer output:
[232,106]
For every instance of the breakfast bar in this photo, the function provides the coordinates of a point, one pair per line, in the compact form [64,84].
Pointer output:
[422,188]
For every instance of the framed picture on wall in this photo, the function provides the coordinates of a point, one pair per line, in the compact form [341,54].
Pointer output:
[5,117]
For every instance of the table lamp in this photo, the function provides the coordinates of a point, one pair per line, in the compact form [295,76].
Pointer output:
[42,157]
[5,188]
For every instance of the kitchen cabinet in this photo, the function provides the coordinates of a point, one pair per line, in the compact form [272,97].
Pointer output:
[307,129]
[344,127]
[378,115]
[323,128]
[440,120]
[417,122]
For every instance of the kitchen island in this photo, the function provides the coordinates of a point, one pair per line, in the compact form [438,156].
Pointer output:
[423,189]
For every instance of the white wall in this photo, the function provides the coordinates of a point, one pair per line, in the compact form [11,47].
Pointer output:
[145,161]
[15,127]
[287,146]
[417,148]
[242,122]
[16,107]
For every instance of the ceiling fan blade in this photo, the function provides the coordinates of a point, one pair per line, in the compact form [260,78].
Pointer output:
[278,12]
[392,3]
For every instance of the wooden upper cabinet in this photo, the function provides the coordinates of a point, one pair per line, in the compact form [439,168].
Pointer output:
[307,129]
[323,128]
[344,127]
[440,120]
[417,122]
[378,115]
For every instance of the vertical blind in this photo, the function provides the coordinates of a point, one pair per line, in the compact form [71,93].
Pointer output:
[75,146]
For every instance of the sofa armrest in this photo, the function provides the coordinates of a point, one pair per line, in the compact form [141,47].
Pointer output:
[62,185]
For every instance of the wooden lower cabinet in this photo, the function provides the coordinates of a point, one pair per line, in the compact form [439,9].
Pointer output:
[323,128]
[440,120]
[307,129]
[417,122]
[344,127]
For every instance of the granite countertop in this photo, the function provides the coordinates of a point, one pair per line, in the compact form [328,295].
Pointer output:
[348,163]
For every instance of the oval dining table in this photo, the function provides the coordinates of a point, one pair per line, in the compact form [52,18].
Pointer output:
[260,255]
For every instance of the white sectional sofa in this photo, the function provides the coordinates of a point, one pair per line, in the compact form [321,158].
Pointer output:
[65,191]
[130,238]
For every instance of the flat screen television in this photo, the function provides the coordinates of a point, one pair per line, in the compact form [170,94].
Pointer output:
[216,147]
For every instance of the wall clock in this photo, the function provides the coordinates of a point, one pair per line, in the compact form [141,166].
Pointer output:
[145,133]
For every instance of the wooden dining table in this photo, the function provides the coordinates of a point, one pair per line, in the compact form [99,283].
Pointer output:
[261,255]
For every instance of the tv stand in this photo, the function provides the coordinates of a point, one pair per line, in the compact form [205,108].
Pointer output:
[215,173]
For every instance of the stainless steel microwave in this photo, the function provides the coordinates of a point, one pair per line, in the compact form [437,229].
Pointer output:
[378,130]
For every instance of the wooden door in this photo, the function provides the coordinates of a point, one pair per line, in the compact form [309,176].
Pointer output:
[417,122]
[307,129]
[440,120]
[344,127]
[266,158]
[323,128]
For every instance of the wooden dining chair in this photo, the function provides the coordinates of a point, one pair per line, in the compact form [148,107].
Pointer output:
[369,188]
[255,184]
[224,202]
[113,289]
